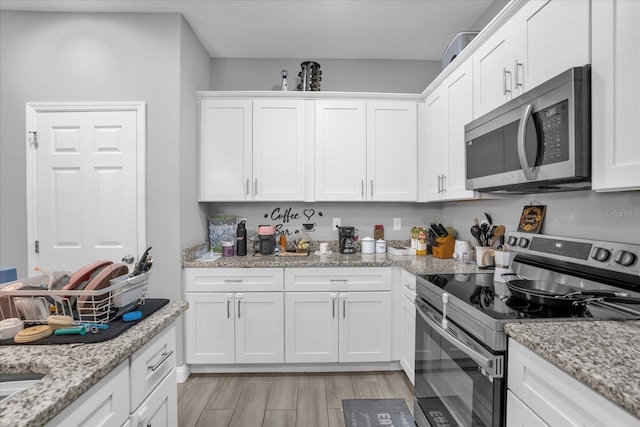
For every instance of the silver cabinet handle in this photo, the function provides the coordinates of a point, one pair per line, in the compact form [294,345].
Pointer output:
[362,188]
[344,308]
[372,189]
[238,309]
[529,172]
[247,187]
[228,309]
[255,187]
[438,184]
[333,309]
[232,280]
[504,81]
[164,356]
[516,80]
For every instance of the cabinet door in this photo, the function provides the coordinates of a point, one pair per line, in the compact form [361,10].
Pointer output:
[492,76]
[278,149]
[104,404]
[311,330]
[459,87]
[436,153]
[392,139]
[160,409]
[204,343]
[615,94]
[365,327]
[519,414]
[340,150]
[407,337]
[225,150]
[259,327]
[551,37]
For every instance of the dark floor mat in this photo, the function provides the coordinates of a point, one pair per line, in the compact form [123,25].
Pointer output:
[377,413]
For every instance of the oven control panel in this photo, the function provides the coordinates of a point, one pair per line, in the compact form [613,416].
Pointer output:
[621,257]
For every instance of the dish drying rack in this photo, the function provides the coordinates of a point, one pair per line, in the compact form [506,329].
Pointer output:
[35,305]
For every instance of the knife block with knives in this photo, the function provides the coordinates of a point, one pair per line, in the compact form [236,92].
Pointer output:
[445,247]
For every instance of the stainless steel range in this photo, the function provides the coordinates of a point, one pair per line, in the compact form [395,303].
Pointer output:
[461,347]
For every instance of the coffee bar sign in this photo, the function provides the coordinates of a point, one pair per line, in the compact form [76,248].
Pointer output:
[289,221]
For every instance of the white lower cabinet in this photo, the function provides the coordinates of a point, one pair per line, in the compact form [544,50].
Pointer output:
[407,324]
[337,315]
[141,391]
[226,325]
[555,397]
[325,327]
[104,404]
[160,408]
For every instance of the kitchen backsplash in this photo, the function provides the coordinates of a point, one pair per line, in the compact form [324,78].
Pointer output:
[604,216]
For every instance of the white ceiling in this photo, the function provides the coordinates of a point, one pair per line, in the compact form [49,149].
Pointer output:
[313,29]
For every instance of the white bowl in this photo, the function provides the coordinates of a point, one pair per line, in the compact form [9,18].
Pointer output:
[10,327]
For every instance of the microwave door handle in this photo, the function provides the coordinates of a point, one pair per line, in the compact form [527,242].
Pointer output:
[472,353]
[529,172]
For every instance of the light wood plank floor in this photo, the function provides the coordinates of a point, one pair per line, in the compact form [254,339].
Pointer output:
[282,400]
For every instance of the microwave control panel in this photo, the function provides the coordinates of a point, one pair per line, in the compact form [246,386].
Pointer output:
[552,124]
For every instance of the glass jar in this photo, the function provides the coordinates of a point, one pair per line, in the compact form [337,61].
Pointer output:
[378,232]
[227,248]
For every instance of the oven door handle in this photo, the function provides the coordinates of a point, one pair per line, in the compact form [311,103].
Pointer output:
[485,362]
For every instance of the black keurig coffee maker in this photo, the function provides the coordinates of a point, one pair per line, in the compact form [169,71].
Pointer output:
[346,238]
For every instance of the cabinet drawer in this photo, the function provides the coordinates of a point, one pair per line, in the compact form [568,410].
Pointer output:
[233,279]
[150,364]
[338,279]
[408,282]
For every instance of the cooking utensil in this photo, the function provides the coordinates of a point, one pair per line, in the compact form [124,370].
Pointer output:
[498,234]
[488,218]
[557,295]
[141,263]
[475,232]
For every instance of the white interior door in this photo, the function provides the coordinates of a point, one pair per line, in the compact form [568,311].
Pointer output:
[85,183]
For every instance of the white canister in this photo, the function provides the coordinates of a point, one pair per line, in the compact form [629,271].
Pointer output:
[381,246]
[368,245]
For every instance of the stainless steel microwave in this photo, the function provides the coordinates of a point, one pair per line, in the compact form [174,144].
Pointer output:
[535,143]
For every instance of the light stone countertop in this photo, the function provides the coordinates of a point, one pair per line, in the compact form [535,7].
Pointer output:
[71,369]
[604,355]
[411,263]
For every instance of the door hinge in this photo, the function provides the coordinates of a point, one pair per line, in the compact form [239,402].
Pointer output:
[33,138]
[37,246]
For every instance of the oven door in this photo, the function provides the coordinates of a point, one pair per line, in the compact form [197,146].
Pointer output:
[458,382]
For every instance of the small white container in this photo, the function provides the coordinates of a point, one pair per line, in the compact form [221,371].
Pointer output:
[368,245]
[381,246]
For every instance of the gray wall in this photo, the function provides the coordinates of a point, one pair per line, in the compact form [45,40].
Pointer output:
[154,58]
[338,75]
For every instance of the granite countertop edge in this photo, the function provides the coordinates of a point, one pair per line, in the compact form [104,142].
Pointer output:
[603,355]
[72,369]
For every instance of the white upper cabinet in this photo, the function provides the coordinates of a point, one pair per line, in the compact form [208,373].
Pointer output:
[252,150]
[340,150]
[392,147]
[448,109]
[542,39]
[615,95]
[551,36]
[492,76]
[365,150]
[225,165]
[278,149]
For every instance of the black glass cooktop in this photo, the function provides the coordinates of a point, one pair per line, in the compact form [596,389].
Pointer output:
[494,299]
